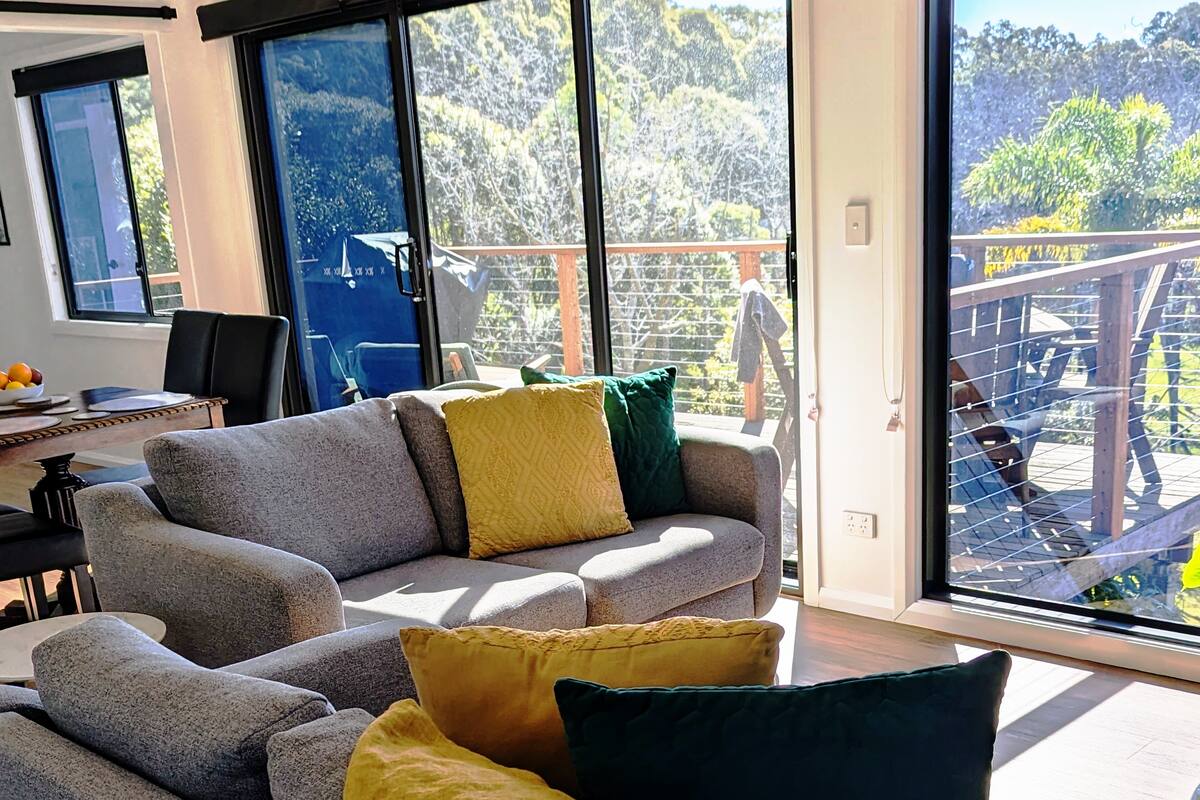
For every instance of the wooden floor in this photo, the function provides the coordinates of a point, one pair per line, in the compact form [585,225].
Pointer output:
[999,544]
[1069,730]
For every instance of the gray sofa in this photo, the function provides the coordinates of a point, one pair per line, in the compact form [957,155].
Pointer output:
[119,717]
[254,538]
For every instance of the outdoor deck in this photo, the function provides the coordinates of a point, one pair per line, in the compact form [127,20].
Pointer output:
[1070,430]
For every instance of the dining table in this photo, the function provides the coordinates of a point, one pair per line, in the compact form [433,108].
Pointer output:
[53,429]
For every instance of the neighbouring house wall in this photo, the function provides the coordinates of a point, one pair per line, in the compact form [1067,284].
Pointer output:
[197,106]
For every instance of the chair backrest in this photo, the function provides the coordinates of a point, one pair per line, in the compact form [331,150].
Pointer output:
[247,366]
[189,352]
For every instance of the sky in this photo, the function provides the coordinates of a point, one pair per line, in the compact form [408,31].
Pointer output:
[1115,19]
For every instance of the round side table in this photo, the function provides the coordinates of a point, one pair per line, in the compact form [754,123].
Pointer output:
[17,643]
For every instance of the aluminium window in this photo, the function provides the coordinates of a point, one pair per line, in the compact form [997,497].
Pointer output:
[103,171]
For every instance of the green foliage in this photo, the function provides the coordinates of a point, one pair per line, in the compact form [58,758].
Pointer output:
[1092,165]
[149,187]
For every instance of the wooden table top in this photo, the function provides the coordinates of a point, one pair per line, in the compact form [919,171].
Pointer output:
[71,435]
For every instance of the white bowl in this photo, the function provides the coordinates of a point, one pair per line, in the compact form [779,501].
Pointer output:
[10,396]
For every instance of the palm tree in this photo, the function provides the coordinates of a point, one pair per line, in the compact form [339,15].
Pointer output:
[1092,166]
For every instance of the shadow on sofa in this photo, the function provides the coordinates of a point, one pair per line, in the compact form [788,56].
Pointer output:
[254,538]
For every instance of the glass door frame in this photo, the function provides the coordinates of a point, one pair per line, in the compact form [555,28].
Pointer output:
[247,47]
[935,377]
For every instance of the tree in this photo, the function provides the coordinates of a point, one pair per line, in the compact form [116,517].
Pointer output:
[1092,166]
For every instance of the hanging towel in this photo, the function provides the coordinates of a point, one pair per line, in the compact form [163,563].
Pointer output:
[757,317]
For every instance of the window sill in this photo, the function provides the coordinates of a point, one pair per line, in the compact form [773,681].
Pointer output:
[1057,636]
[146,331]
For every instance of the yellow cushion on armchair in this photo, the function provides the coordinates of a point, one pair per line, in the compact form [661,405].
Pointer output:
[536,467]
[403,756]
[491,690]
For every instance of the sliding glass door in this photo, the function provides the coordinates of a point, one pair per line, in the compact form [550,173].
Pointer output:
[343,203]
[693,113]
[1064,246]
[496,104]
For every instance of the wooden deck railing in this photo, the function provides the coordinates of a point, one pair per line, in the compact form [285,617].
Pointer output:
[566,259]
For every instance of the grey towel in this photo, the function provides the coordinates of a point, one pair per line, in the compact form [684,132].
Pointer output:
[757,317]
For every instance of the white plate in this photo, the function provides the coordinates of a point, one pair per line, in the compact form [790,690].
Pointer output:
[10,396]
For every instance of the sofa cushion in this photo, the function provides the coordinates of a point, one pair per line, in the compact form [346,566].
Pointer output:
[536,466]
[424,426]
[309,761]
[337,487]
[641,420]
[452,592]
[403,756]
[664,563]
[38,763]
[505,710]
[855,739]
[198,732]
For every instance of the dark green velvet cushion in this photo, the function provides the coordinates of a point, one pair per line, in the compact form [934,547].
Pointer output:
[641,420]
[924,735]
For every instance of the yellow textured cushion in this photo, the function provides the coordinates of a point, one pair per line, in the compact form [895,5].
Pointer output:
[403,756]
[536,467]
[491,690]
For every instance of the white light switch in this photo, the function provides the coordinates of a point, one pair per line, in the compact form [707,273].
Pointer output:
[857,225]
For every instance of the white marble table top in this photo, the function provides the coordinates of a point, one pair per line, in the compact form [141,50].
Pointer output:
[17,643]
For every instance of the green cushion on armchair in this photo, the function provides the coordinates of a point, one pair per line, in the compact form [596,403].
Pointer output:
[640,410]
[920,735]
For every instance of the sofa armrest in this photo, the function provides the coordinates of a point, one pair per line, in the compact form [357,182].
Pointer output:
[356,668]
[738,476]
[36,762]
[222,599]
[310,761]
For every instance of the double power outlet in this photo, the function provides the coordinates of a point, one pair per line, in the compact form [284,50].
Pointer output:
[858,523]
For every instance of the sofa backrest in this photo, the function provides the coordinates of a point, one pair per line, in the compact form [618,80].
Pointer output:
[424,427]
[337,487]
[199,733]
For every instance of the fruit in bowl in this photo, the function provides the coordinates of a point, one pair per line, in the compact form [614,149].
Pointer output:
[18,382]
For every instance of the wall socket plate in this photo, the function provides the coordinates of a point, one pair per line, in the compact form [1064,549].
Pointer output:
[858,523]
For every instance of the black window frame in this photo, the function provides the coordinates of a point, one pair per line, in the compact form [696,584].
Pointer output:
[935,389]
[100,69]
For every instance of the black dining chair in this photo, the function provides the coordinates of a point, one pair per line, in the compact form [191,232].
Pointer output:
[31,546]
[247,367]
[236,356]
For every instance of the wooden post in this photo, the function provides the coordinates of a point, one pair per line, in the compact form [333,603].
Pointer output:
[1111,446]
[568,306]
[754,407]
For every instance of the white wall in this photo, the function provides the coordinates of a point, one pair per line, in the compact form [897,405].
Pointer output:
[863,83]
[196,103]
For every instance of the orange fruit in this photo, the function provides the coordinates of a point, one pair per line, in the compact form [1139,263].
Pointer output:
[20,372]
[14,385]
[3,379]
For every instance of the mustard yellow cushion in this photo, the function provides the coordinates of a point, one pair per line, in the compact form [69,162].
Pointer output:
[536,467]
[491,690]
[403,756]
